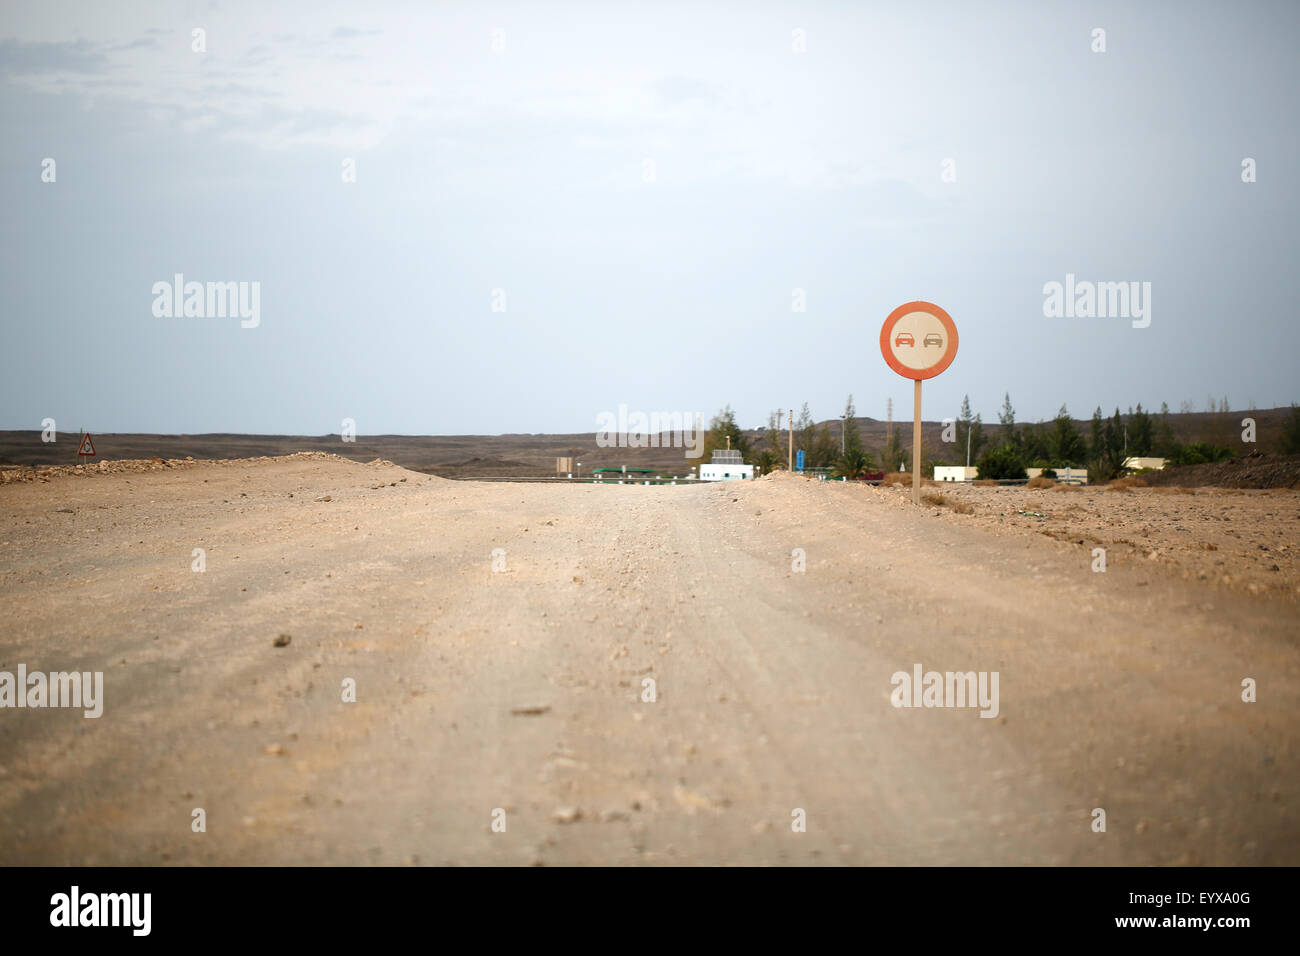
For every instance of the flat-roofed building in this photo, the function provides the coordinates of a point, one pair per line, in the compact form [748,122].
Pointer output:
[727,465]
[1139,464]
[1069,476]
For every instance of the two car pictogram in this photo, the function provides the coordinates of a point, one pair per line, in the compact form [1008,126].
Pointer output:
[905,338]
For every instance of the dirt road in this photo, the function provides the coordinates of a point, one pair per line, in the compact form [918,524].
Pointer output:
[516,695]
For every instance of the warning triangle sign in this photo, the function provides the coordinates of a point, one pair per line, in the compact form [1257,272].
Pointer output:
[87,446]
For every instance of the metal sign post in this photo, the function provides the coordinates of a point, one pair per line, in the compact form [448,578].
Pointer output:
[916,443]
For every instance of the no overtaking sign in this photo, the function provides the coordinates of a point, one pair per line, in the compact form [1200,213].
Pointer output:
[918,341]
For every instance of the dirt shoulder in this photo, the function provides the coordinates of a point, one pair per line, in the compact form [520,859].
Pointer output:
[1225,537]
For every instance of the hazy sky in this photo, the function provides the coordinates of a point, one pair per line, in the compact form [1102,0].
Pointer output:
[524,169]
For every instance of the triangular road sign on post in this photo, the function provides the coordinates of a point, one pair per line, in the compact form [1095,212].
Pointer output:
[87,446]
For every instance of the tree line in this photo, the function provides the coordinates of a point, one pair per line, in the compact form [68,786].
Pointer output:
[1107,444]
[1102,448]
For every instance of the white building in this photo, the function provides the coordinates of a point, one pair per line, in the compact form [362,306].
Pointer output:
[955,473]
[727,465]
[1137,464]
[1073,476]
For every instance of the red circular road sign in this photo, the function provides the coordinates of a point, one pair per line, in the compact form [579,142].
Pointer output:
[918,340]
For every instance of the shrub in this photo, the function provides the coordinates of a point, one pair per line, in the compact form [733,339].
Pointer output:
[1126,484]
[1002,462]
[938,499]
[1041,481]
[1102,469]
[1199,453]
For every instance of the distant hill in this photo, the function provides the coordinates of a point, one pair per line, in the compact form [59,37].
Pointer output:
[466,456]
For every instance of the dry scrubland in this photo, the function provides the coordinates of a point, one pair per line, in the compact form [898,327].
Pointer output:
[1241,539]
[522,690]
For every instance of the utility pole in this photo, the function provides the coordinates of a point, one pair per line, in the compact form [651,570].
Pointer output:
[792,441]
[967,446]
[889,427]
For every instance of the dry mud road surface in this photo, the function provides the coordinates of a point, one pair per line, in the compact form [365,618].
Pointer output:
[517,695]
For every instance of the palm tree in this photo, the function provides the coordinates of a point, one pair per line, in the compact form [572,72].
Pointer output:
[854,463]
